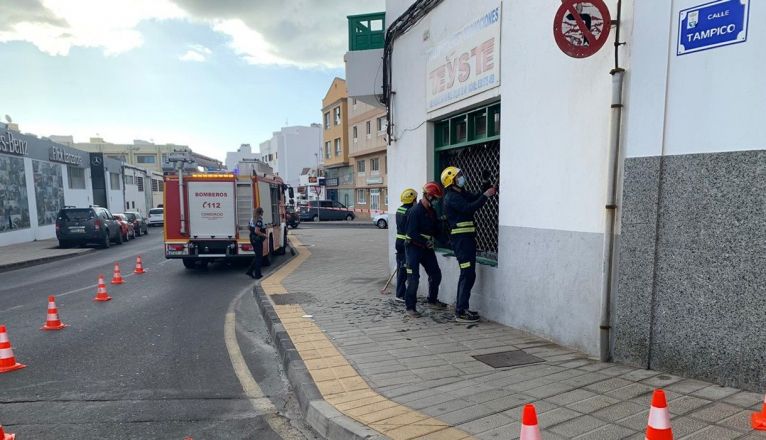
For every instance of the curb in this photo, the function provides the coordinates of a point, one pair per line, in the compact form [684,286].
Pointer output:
[43,260]
[326,421]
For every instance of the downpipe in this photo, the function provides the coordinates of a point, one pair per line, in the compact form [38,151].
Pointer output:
[618,75]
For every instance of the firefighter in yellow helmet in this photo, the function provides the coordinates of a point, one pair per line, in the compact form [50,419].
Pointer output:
[408,198]
[459,208]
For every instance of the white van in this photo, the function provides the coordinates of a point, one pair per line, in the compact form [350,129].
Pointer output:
[156,217]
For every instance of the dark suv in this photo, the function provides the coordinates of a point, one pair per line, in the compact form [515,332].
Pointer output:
[317,210]
[80,226]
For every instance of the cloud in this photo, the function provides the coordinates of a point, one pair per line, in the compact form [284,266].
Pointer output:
[55,26]
[196,53]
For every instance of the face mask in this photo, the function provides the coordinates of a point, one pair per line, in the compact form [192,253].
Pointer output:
[461,181]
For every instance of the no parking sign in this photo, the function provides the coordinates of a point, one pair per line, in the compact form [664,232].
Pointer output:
[581,27]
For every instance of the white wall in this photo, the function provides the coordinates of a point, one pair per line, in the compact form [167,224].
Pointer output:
[703,102]
[78,197]
[300,145]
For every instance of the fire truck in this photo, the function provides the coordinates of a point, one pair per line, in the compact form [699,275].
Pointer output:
[207,215]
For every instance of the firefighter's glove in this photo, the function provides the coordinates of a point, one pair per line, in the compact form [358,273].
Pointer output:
[490,192]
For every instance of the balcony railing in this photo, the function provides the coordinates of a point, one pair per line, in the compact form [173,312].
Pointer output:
[366,31]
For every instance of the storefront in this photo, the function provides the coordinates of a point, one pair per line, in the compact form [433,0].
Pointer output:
[38,177]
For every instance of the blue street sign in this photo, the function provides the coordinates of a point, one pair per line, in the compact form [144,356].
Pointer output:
[712,25]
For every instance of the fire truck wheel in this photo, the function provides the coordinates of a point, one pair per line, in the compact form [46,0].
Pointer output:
[190,263]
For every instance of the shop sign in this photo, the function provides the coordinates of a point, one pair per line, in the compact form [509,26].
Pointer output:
[374,180]
[332,182]
[466,64]
[12,145]
[57,154]
[712,25]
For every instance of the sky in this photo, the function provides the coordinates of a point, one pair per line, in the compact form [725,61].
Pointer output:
[210,74]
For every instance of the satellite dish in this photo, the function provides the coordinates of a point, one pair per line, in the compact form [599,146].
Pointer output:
[8,119]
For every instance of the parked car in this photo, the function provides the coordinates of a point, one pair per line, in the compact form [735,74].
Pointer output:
[80,226]
[293,218]
[156,217]
[380,220]
[128,231]
[317,210]
[139,222]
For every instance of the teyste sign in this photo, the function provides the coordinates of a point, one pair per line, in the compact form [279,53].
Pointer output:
[466,64]
[57,154]
[11,145]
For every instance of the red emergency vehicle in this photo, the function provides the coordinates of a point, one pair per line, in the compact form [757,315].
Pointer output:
[207,215]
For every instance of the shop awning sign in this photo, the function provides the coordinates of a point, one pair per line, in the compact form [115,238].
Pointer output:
[581,27]
[712,25]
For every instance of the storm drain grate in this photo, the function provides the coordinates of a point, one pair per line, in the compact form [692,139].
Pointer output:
[292,298]
[512,358]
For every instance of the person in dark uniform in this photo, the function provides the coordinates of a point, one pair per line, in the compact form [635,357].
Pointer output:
[408,198]
[459,208]
[257,236]
[422,227]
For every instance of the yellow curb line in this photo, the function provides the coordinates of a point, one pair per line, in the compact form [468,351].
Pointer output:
[338,382]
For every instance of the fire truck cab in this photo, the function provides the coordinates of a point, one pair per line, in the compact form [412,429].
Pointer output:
[207,215]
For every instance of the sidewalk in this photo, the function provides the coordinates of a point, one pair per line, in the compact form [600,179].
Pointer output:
[402,378]
[35,252]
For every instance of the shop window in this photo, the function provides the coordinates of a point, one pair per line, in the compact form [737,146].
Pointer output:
[76,177]
[114,181]
[478,125]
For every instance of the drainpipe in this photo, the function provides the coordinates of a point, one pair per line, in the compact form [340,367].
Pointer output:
[609,276]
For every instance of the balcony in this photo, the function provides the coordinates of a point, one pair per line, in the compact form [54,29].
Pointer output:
[364,59]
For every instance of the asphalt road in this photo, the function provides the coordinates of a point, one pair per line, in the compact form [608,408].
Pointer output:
[153,363]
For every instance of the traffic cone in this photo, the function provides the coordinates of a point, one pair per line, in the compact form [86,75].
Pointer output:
[530,430]
[758,419]
[53,322]
[117,278]
[6,435]
[101,294]
[7,360]
[139,266]
[658,427]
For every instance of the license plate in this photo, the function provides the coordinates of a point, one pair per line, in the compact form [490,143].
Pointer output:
[176,253]
[77,230]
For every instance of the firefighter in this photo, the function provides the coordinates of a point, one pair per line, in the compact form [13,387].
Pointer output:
[459,208]
[257,236]
[408,198]
[422,226]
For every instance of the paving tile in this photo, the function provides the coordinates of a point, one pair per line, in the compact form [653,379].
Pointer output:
[687,386]
[607,385]
[596,403]
[570,397]
[485,424]
[446,407]
[715,392]
[608,432]
[630,392]
[554,416]
[464,415]
[739,421]
[713,433]
[686,404]
[578,426]
[507,432]
[715,412]
[619,411]
[639,375]
[549,390]
[745,399]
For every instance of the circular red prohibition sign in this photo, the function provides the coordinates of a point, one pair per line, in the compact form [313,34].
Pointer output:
[581,27]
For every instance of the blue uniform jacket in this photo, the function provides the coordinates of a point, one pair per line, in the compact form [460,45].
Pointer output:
[422,225]
[459,207]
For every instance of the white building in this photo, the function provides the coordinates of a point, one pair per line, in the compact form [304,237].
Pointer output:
[483,85]
[292,149]
[143,189]
[244,152]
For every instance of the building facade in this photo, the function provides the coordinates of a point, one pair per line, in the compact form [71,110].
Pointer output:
[38,177]
[339,172]
[367,154]
[674,282]
[291,149]
[244,152]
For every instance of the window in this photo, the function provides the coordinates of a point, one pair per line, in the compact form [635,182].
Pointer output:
[114,181]
[361,197]
[369,129]
[134,204]
[336,113]
[381,124]
[375,199]
[155,185]
[161,185]
[327,150]
[356,134]
[338,148]
[360,167]
[76,177]
[140,183]
[146,158]
[375,166]
[327,121]
[129,180]
[127,205]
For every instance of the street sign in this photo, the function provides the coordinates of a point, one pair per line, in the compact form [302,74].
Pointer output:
[711,25]
[581,27]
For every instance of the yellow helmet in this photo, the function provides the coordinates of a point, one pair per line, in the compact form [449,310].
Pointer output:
[448,176]
[408,196]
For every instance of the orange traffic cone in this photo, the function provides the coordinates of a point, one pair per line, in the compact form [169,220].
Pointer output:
[530,430]
[758,420]
[53,322]
[6,435]
[658,427]
[101,294]
[7,360]
[139,266]
[117,278]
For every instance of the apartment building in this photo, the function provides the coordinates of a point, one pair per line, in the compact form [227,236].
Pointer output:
[339,172]
[367,154]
